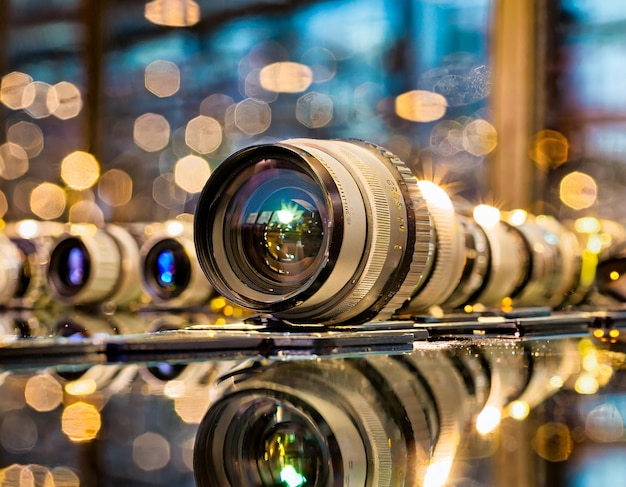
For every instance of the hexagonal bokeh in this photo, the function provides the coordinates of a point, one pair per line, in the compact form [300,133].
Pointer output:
[203,134]
[314,110]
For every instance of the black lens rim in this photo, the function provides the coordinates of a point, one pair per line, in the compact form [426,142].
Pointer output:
[58,264]
[213,203]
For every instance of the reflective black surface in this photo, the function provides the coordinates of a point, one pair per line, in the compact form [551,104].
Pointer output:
[511,400]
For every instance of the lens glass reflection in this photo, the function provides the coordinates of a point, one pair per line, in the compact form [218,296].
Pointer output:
[277,225]
[166,269]
[290,457]
[76,266]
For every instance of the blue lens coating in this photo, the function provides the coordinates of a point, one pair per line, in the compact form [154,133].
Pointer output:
[76,266]
[166,268]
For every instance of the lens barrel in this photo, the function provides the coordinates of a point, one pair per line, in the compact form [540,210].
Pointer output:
[341,232]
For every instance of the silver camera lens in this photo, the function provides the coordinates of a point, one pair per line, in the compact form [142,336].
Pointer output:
[90,265]
[325,231]
[170,272]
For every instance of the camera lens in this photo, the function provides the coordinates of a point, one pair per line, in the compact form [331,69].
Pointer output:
[89,265]
[168,268]
[324,231]
[170,272]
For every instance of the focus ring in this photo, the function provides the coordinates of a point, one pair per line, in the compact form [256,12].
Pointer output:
[423,245]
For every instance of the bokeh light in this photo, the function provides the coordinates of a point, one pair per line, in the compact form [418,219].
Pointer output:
[314,110]
[28,136]
[81,422]
[14,161]
[252,116]
[151,451]
[166,193]
[487,216]
[553,442]
[47,201]
[86,212]
[286,77]
[39,100]
[578,190]
[115,187]
[203,134]
[151,132]
[215,106]
[80,170]
[64,100]
[43,393]
[12,89]
[548,149]
[479,137]
[162,78]
[446,138]
[322,62]
[191,173]
[173,13]
[18,432]
[421,106]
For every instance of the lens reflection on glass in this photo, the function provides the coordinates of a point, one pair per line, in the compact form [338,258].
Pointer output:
[290,456]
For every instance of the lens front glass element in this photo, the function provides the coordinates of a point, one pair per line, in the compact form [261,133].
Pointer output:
[275,226]
[290,456]
[70,266]
[167,268]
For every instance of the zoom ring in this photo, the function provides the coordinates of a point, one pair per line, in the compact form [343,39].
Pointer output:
[424,234]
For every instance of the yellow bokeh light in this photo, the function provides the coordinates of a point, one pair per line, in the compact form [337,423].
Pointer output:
[81,422]
[162,78]
[191,173]
[578,190]
[479,137]
[86,212]
[548,148]
[486,216]
[553,442]
[47,201]
[421,106]
[286,77]
[80,170]
[517,217]
[519,410]
[12,89]
[586,384]
[173,13]
[587,224]
[193,404]
[151,132]
[614,275]
[43,393]
[203,134]
[115,187]
[64,100]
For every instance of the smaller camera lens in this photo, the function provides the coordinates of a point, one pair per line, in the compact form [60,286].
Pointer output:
[71,262]
[167,269]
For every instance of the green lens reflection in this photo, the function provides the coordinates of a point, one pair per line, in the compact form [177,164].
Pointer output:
[281,227]
[291,456]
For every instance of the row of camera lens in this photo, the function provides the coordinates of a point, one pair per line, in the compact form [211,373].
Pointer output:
[341,232]
[118,266]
